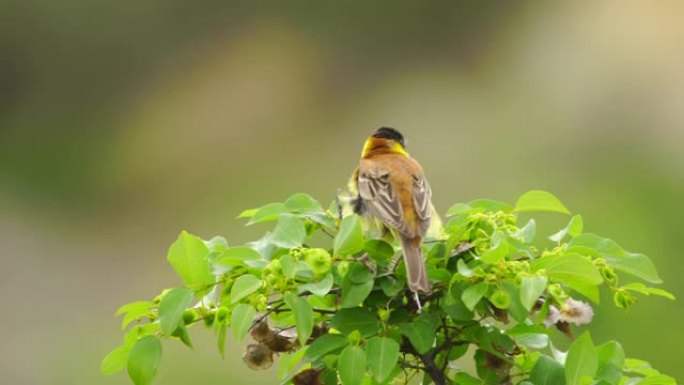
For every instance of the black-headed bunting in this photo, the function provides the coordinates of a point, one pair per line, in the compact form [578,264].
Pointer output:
[391,188]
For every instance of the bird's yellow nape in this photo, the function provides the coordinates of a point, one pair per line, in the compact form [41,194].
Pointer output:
[382,145]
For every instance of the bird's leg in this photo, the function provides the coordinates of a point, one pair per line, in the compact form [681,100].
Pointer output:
[417,299]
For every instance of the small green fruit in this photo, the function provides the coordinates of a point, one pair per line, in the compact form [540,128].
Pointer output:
[500,299]
[209,319]
[221,315]
[318,260]
[189,316]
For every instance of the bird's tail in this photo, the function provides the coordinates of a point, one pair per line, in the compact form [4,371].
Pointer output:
[416,274]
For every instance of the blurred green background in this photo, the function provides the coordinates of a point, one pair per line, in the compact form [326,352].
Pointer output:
[122,123]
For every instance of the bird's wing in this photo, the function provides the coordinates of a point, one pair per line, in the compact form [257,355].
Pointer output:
[376,190]
[422,196]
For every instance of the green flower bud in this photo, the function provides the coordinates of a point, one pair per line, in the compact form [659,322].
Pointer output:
[296,253]
[608,274]
[272,281]
[383,314]
[623,298]
[491,278]
[275,267]
[557,292]
[260,302]
[354,338]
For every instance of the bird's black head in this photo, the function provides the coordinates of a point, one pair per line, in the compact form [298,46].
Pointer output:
[390,133]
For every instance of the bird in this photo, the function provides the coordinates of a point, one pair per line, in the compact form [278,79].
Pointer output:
[390,187]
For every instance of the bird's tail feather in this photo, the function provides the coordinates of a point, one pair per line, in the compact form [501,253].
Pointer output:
[416,273]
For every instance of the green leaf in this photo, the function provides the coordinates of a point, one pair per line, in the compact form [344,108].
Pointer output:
[489,205]
[473,294]
[323,345]
[497,253]
[359,273]
[358,318]
[115,361]
[319,288]
[463,378]
[188,256]
[658,379]
[349,239]
[352,365]
[643,289]
[217,243]
[383,354]
[379,251]
[289,232]
[458,208]
[463,268]
[172,307]
[530,290]
[241,320]
[535,337]
[453,305]
[182,333]
[528,231]
[421,332]
[289,265]
[353,294]
[582,360]
[287,363]
[143,360]
[639,367]
[134,310]
[304,316]
[237,255]
[547,371]
[267,213]
[611,358]
[221,340]
[574,270]
[302,204]
[244,286]
[638,265]
[516,308]
[390,285]
[247,213]
[140,331]
[573,228]
[537,200]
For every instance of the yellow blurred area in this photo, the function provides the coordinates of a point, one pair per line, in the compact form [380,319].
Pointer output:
[123,123]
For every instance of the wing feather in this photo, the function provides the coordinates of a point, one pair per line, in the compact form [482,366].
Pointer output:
[376,190]
[422,197]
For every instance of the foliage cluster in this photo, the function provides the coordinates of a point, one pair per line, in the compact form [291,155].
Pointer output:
[334,308]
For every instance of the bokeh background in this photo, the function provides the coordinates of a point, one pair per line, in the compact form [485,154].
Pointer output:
[124,122]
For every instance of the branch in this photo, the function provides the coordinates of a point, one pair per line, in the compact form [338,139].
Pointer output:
[428,359]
